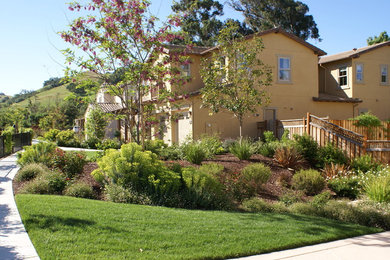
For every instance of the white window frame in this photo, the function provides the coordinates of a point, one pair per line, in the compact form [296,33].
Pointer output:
[386,67]
[186,70]
[362,72]
[343,76]
[284,69]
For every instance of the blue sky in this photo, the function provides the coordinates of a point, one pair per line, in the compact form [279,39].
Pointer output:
[29,45]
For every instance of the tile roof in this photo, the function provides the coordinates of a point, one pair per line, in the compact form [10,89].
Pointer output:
[285,33]
[192,50]
[109,107]
[354,53]
[322,97]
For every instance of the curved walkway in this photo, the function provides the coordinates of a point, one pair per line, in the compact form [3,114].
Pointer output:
[14,240]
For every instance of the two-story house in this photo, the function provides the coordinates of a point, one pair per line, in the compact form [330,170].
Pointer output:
[359,74]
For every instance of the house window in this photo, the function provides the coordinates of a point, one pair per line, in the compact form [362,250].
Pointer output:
[343,79]
[384,74]
[284,69]
[359,73]
[186,70]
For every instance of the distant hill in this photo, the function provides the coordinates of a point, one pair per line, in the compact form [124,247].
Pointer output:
[47,97]
[3,97]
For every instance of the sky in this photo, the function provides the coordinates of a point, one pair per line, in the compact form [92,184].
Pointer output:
[30,47]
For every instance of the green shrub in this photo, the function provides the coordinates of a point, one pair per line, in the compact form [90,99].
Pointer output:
[321,199]
[331,154]
[155,146]
[171,153]
[91,142]
[203,190]
[290,197]
[348,187]
[108,144]
[212,145]
[367,120]
[67,138]
[8,143]
[80,190]
[269,137]
[253,177]
[130,166]
[256,205]
[365,163]
[307,147]
[378,188]
[242,150]
[309,181]
[49,183]
[304,209]
[70,163]
[268,149]
[30,171]
[213,169]
[51,135]
[227,143]
[37,153]
[119,194]
[194,152]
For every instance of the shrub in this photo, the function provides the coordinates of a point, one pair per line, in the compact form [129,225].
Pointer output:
[212,145]
[321,199]
[268,149]
[256,205]
[70,163]
[130,166]
[269,137]
[253,177]
[304,208]
[30,171]
[367,120]
[288,157]
[309,181]
[242,150]
[365,163]
[92,142]
[67,138]
[108,144]
[171,153]
[155,146]
[49,183]
[331,154]
[213,169]
[37,153]
[378,188]
[8,143]
[80,190]
[227,143]
[194,152]
[203,190]
[335,170]
[290,197]
[51,135]
[119,194]
[307,147]
[347,187]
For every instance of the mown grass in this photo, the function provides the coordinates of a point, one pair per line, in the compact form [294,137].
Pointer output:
[70,228]
[47,97]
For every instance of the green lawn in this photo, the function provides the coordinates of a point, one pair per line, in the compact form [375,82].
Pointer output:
[70,228]
[91,154]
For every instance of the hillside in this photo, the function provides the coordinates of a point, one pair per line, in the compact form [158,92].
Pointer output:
[3,97]
[47,97]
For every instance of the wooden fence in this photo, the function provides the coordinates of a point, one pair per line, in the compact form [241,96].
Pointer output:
[324,131]
[372,133]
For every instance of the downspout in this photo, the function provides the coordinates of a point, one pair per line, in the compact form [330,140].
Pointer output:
[324,76]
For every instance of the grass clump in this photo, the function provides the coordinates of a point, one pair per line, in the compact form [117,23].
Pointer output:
[194,152]
[378,188]
[30,171]
[254,176]
[51,182]
[309,181]
[243,149]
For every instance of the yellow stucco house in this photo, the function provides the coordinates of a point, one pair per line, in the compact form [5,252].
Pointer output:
[304,80]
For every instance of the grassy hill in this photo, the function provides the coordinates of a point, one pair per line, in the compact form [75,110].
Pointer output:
[47,97]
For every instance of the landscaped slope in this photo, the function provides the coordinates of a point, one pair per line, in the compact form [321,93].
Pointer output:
[47,97]
[70,228]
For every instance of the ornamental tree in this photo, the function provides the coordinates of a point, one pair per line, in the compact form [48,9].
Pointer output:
[234,77]
[120,35]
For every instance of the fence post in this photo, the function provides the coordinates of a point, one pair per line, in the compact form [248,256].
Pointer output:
[308,124]
[364,144]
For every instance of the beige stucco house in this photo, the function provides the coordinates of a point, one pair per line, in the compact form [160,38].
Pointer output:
[359,74]
[304,80]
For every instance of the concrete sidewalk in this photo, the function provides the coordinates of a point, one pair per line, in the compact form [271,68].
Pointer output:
[373,247]
[14,240]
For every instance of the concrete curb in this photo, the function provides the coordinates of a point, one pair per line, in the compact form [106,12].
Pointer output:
[14,240]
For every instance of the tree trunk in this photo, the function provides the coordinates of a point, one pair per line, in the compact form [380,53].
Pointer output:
[240,120]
